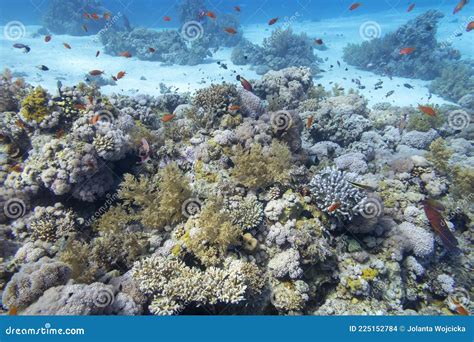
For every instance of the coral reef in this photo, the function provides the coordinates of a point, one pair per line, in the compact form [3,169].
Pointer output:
[456,80]
[282,49]
[170,46]
[382,55]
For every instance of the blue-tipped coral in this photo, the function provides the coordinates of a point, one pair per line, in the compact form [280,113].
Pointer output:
[335,195]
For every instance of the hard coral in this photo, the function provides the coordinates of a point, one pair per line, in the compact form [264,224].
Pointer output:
[331,189]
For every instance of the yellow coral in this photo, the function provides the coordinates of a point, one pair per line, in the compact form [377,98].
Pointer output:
[439,155]
[35,106]
[369,273]
[259,167]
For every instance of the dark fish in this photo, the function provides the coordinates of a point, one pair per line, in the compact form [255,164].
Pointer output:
[407,85]
[59,85]
[390,93]
[439,226]
[339,64]
[42,67]
[363,186]
[22,46]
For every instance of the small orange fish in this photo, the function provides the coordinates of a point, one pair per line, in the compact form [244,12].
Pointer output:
[319,41]
[459,6]
[460,309]
[167,117]
[354,6]
[95,16]
[309,122]
[411,7]
[20,124]
[211,15]
[106,16]
[333,207]
[151,50]
[272,21]
[230,30]
[237,8]
[166,18]
[95,72]
[13,311]
[125,54]
[234,107]
[86,15]
[60,133]
[67,46]
[121,74]
[80,106]
[427,110]
[15,168]
[95,119]
[97,53]
[47,38]
[406,51]
[470,26]
[84,27]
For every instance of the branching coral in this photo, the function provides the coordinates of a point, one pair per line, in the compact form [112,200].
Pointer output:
[174,285]
[335,195]
[439,155]
[245,212]
[158,202]
[421,122]
[52,223]
[209,235]
[260,167]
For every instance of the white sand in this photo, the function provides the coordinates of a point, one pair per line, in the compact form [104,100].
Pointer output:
[71,65]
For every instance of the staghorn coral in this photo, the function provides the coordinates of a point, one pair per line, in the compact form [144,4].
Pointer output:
[215,100]
[173,285]
[330,187]
[260,167]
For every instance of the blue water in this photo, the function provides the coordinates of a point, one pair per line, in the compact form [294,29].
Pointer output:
[150,12]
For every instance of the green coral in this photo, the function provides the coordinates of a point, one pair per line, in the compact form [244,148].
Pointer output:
[77,255]
[260,167]
[210,235]
[463,178]
[456,80]
[156,202]
[35,106]
[439,154]
[422,122]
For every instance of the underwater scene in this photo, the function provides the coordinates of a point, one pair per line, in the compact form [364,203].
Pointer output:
[236,157]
